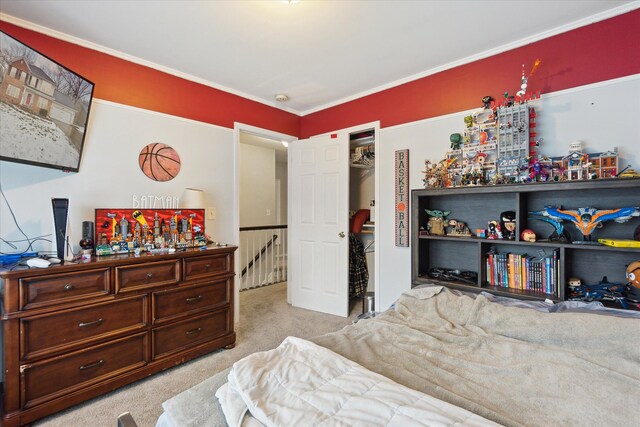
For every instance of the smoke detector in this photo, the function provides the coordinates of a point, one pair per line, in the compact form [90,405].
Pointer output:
[281,97]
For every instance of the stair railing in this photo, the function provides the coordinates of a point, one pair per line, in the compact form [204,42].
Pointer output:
[263,253]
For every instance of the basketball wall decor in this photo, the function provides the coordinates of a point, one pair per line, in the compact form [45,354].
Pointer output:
[402,197]
[159,162]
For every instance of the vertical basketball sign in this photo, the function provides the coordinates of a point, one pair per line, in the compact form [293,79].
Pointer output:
[402,198]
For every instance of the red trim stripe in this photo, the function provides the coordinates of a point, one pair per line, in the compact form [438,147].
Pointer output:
[127,83]
[598,52]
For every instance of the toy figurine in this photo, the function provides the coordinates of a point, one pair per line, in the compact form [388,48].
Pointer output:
[456,140]
[602,291]
[435,224]
[486,102]
[573,283]
[633,278]
[528,235]
[508,225]
[539,170]
[457,229]
[493,230]
[587,219]
[468,121]
[560,234]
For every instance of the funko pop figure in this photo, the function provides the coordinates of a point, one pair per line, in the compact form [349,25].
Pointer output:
[493,230]
[528,235]
[508,225]
[633,278]
[574,282]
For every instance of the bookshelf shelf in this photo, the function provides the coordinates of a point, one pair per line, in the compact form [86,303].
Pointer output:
[476,206]
[542,243]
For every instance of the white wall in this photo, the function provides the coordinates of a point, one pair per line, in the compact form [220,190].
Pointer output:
[602,115]
[282,175]
[257,186]
[361,188]
[109,174]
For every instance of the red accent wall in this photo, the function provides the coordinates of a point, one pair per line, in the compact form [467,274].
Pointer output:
[597,52]
[602,51]
[131,84]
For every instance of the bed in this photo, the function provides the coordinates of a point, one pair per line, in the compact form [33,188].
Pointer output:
[438,357]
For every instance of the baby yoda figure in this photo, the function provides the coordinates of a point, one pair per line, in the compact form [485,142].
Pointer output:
[435,224]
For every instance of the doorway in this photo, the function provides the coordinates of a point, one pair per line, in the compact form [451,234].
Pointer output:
[260,211]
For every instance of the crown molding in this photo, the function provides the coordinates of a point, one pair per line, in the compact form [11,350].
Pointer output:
[487,53]
[134,59]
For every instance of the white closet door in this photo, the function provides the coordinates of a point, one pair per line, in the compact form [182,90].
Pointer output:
[318,231]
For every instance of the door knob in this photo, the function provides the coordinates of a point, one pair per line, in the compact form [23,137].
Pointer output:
[341,234]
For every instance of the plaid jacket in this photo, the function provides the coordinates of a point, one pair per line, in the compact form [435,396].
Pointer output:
[358,273]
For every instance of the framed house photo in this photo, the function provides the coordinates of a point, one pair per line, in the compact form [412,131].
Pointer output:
[44,108]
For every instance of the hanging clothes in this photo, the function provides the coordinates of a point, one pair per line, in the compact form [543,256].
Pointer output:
[358,272]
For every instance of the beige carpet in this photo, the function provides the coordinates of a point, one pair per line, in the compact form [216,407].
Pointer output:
[265,320]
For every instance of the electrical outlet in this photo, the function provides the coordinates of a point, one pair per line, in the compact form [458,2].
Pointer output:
[268,212]
[211,213]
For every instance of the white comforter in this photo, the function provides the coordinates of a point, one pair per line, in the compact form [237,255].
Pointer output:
[302,384]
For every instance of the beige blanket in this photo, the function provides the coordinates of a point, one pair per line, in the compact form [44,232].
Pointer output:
[300,383]
[515,366]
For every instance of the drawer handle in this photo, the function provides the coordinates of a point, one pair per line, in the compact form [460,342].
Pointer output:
[193,331]
[95,322]
[194,300]
[92,365]
[68,287]
[207,266]
[149,276]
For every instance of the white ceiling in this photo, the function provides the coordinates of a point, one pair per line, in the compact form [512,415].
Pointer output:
[320,53]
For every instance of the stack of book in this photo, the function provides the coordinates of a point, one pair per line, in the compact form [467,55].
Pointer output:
[521,271]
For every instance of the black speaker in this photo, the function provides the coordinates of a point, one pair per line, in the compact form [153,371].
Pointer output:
[88,234]
[60,213]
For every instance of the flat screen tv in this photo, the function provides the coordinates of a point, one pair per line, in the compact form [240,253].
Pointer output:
[44,108]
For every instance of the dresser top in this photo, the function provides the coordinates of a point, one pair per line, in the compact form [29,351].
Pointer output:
[106,261]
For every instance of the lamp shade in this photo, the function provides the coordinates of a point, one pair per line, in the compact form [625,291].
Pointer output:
[192,198]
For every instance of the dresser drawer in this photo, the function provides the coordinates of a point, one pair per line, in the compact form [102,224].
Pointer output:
[50,333]
[208,266]
[187,333]
[177,302]
[52,378]
[148,275]
[65,287]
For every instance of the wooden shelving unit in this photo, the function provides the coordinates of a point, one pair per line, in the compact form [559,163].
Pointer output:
[476,206]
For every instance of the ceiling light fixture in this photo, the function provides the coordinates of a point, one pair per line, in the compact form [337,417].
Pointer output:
[285,144]
[289,1]
[281,97]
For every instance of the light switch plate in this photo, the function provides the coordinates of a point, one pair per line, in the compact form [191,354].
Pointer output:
[211,213]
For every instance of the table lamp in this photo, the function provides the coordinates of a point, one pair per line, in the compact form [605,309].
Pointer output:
[191,198]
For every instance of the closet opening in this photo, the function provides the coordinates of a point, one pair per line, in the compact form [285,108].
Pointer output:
[362,216]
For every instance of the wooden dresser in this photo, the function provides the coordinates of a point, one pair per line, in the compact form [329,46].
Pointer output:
[76,331]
